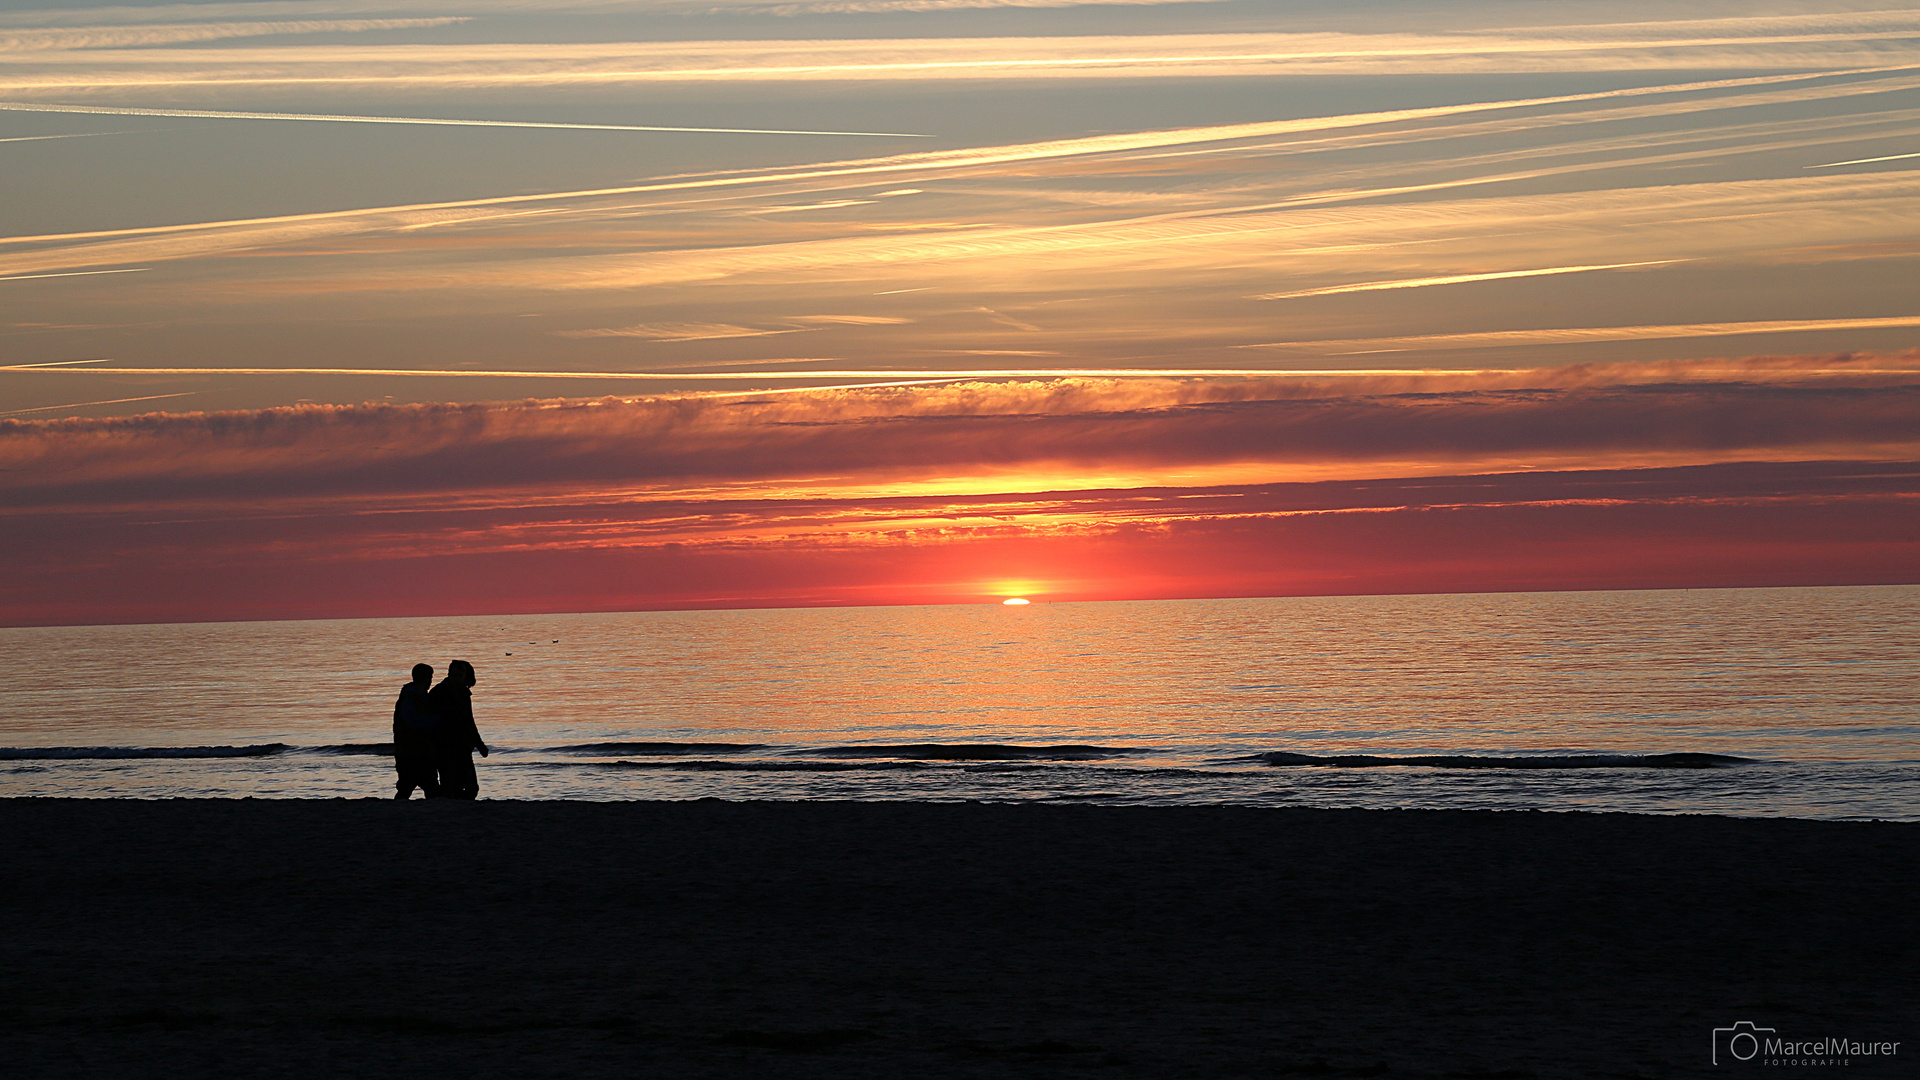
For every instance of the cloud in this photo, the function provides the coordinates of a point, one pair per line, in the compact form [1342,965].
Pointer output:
[73,250]
[1771,470]
[475,8]
[686,331]
[140,36]
[1815,523]
[1228,383]
[1595,417]
[850,320]
[1453,279]
[676,331]
[1577,335]
[1720,45]
[1422,240]
[214,114]
[873,7]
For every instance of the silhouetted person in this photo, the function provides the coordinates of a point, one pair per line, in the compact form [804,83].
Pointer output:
[413,737]
[454,736]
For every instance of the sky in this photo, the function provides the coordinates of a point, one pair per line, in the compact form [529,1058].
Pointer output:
[341,308]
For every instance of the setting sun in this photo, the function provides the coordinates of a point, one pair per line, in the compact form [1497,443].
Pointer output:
[1015,601]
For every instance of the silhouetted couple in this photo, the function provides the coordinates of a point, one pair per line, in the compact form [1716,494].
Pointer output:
[434,737]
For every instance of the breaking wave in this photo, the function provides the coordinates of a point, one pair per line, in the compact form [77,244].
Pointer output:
[653,749]
[762,766]
[1566,761]
[975,752]
[81,753]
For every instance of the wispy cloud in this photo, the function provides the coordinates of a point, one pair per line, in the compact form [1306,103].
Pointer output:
[211,114]
[850,320]
[1286,237]
[260,9]
[1805,86]
[150,34]
[1577,335]
[1722,46]
[677,332]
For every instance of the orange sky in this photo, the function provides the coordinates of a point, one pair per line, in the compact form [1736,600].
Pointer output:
[433,306]
[1797,471]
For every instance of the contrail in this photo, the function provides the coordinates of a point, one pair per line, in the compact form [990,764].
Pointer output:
[59,363]
[1455,279]
[84,404]
[1864,161]
[967,157]
[72,135]
[209,114]
[74,273]
[789,376]
[909,376]
[1577,335]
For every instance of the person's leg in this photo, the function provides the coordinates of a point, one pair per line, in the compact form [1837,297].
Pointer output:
[457,779]
[415,771]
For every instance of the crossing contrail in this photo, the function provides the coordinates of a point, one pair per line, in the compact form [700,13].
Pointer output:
[210,114]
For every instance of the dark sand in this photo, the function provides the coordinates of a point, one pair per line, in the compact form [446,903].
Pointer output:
[710,939]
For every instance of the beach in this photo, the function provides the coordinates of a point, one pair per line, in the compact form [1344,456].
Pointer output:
[717,939]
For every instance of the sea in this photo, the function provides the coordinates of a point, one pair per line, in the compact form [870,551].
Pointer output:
[1754,702]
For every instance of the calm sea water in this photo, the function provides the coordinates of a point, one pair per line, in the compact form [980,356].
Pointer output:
[1552,701]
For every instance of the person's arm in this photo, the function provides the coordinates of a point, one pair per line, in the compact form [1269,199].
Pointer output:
[473,730]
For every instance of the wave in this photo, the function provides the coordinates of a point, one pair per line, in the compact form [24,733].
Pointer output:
[760,766]
[653,749]
[123,753]
[380,749]
[1565,761]
[976,752]
[870,766]
[81,753]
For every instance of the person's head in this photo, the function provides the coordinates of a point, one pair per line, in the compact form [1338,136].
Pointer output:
[460,673]
[423,673]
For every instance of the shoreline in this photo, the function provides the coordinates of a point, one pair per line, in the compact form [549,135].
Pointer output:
[861,939]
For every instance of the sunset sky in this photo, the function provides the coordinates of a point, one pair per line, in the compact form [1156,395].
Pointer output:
[318,308]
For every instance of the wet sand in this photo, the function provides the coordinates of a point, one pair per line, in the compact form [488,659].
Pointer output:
[712,939]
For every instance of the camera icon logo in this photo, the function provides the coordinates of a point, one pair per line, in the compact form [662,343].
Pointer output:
[1741,1042]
